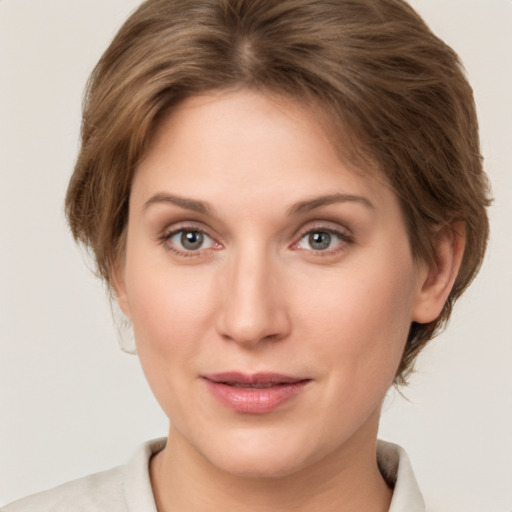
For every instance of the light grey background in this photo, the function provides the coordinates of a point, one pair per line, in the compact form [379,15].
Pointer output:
[72,403]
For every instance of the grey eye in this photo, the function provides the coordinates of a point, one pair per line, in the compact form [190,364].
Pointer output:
[320,240]
[191,240]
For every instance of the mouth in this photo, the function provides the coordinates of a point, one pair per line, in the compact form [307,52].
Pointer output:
[262,385]
[255,380]
[257,393]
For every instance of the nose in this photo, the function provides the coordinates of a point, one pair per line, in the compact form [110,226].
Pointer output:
[253,307]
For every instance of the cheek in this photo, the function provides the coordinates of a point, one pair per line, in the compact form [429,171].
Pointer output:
[170,308]
[360,317]
[170,313]
[162,315]
[167,303]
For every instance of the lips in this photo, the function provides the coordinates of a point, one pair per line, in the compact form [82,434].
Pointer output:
[258,393]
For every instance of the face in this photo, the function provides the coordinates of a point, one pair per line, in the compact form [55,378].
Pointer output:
[271,287]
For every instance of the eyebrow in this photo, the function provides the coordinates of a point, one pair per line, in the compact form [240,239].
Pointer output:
[317,202]
[298,208]
[183,202]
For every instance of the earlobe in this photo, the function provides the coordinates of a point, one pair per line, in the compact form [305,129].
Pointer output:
[437,279]
[119,286]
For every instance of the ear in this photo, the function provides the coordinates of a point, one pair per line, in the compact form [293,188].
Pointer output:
[119,285]
[437,278]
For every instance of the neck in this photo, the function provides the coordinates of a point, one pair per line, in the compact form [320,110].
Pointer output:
[346,481]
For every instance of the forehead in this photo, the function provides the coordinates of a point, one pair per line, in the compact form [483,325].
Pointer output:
[244,141]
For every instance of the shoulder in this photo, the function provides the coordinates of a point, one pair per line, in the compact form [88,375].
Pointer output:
[98,492]
[121,489]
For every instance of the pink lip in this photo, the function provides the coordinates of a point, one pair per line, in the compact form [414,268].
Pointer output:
[257,393]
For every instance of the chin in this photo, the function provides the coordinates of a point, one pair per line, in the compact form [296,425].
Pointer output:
[261,456]
[260,465]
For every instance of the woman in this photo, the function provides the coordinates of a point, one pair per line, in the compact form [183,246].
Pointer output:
[286,199]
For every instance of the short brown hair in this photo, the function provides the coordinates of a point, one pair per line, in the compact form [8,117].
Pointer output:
[373,65]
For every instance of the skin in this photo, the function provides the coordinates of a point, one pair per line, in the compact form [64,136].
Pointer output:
[259,296]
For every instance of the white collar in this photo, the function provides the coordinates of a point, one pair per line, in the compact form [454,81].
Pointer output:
[396,468]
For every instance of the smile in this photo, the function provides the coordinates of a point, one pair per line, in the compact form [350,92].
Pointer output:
[259,393]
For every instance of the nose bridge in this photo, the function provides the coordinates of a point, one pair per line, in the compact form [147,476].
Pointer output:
[252,307]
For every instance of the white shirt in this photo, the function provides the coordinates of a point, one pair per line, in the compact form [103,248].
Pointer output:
[128,488]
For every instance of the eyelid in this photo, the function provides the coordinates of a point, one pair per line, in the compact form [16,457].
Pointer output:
[170,231]
[342,232]
[328,226]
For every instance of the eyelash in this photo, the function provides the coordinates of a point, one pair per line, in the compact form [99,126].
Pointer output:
[345,239]
[168,235]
